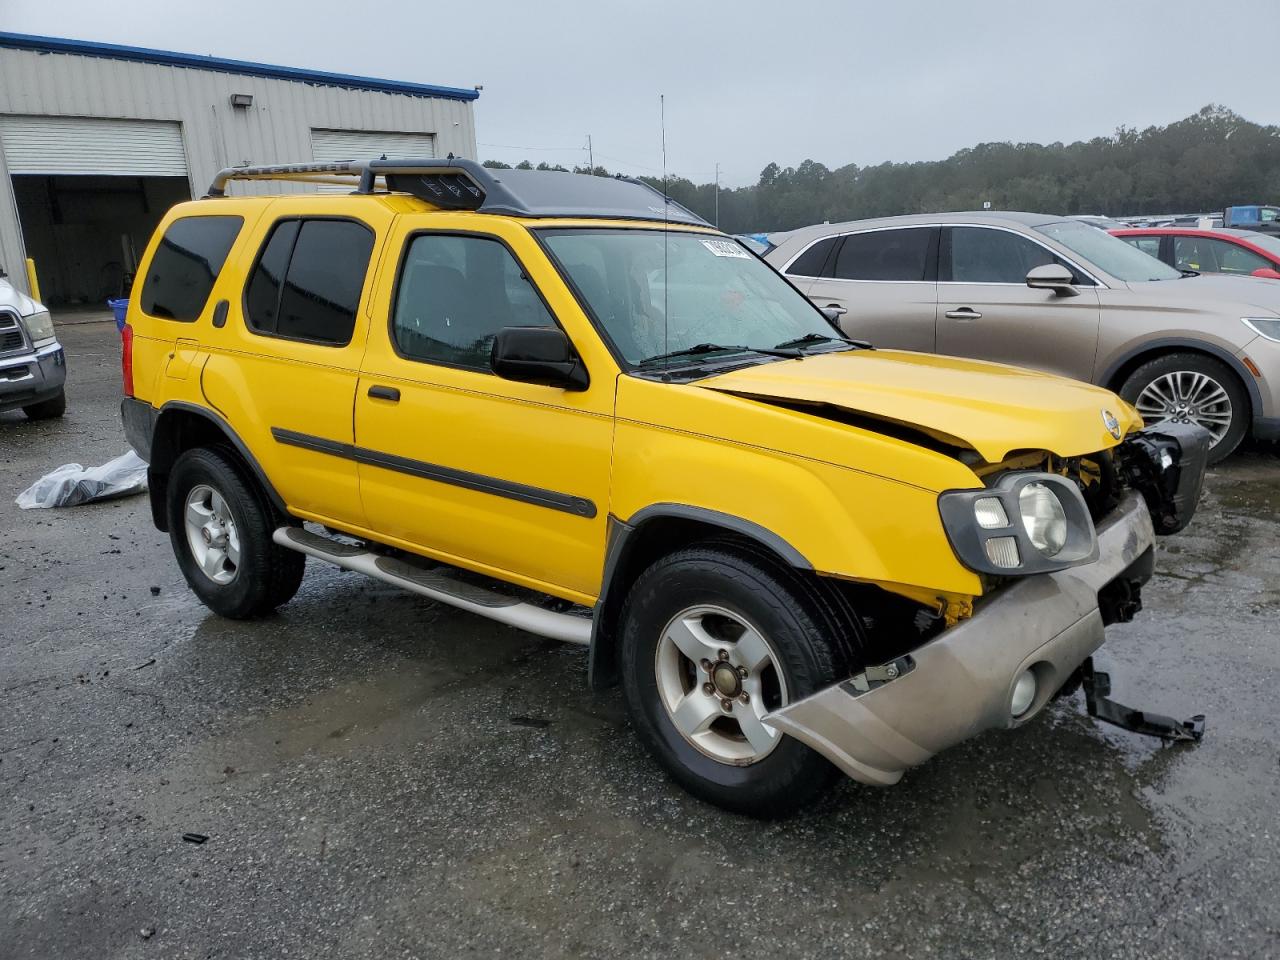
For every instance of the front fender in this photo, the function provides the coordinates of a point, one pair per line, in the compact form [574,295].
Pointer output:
[842,521]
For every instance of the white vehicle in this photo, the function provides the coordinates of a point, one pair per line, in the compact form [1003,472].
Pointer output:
[33,367]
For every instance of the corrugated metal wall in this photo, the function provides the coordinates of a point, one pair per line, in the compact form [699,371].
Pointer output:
[276,129]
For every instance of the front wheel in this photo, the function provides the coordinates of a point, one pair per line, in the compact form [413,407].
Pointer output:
[1192,388]
[221,535]
[49,409]
[713,640]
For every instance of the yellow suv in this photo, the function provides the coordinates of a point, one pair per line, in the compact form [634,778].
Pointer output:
[568,404]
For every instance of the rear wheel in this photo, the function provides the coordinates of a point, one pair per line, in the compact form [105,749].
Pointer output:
[49,409]
[1192,388]
[714,639]
[221,534]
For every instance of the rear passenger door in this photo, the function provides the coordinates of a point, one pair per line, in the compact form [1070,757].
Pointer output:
[885,281]
[509,479]
[987,311]
[284,363]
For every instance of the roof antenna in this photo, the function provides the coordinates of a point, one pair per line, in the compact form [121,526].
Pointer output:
[666,233]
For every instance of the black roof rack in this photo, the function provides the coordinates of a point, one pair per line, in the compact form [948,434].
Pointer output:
[465,185]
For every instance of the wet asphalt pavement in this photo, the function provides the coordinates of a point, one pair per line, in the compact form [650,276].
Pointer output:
[381,776]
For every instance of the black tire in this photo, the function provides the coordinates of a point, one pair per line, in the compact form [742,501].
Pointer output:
[267,575]
[801,621]
[49,409]
[1172,363]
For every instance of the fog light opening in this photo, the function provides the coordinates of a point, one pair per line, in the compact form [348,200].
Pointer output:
[1024,693]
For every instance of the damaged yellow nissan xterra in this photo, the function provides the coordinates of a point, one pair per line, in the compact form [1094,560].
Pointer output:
[568,404]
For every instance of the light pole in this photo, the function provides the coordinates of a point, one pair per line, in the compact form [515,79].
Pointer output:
[717,195]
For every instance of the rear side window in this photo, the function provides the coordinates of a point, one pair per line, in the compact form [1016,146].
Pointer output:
[811,262]
[307,281]
[186,264]
[886,255]
[455,293]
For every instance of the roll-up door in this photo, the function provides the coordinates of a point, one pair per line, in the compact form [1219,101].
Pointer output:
[52,146]
[329,146]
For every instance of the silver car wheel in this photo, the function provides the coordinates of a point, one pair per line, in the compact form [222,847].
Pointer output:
[717,678]
[212,534]
[1186,396]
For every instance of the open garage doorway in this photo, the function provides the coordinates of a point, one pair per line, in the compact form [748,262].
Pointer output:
[86,233]
[88,194]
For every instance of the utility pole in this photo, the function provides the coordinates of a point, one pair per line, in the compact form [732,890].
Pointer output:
[717,195]
[591,157]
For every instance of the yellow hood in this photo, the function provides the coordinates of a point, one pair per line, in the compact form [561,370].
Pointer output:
[991,407]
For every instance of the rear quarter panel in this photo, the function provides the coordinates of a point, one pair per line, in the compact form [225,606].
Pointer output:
[155,339]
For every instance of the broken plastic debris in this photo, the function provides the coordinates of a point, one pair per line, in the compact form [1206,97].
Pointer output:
[194,837]
[71,484]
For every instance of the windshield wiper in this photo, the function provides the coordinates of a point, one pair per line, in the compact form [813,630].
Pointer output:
[701,348]
[821,338]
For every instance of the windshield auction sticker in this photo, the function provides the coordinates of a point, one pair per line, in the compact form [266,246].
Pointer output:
[726,248]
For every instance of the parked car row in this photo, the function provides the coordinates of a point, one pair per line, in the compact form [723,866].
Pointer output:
[1058,295]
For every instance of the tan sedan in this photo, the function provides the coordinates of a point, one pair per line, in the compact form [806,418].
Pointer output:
[1057,295]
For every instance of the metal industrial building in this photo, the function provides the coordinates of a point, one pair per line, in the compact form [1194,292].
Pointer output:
[98,140]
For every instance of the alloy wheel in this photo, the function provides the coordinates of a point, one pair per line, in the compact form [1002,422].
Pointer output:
[1186,396]
[212,534]
[718,676]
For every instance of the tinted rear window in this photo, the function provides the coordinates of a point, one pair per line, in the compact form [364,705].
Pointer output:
[307,282]
[885,255]
[811,262]
[181,275]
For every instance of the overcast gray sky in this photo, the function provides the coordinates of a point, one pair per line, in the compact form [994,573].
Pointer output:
[746,82]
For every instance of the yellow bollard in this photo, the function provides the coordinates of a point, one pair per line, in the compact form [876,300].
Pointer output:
[32,283]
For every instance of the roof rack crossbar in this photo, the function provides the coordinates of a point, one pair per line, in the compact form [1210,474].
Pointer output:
[456,184]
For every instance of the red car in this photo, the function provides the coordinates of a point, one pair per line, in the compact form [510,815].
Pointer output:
[1239,252]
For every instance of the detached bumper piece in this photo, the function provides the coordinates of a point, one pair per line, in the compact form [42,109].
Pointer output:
[1097,691]
[1166,464]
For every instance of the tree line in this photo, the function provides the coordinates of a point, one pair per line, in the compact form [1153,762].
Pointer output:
[1209,160]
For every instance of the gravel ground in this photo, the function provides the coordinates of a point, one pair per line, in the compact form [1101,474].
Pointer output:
[380,776]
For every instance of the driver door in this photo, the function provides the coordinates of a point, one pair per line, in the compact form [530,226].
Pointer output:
[508,479]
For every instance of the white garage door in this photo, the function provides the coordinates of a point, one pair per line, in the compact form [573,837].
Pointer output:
[330,146]
[75,145]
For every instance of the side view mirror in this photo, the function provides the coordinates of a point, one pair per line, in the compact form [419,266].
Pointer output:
[537,355]
[1267,273]
[1055,277]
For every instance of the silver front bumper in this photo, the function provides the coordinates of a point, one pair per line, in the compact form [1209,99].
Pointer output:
[962,681]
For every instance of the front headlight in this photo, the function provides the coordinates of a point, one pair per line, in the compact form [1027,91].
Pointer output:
[1024,523]
[1043,518]
[1268,327]
[39,326]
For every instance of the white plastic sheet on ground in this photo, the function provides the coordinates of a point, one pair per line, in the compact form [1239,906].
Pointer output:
[72,484]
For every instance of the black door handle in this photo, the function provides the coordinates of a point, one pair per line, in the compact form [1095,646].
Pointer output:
[385,393]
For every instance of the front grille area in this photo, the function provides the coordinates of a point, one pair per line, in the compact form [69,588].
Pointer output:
[11,338]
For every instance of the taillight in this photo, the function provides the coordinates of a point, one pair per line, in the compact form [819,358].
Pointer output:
[126,359]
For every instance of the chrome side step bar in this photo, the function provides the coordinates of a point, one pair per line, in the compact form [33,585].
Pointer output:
[439,586]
